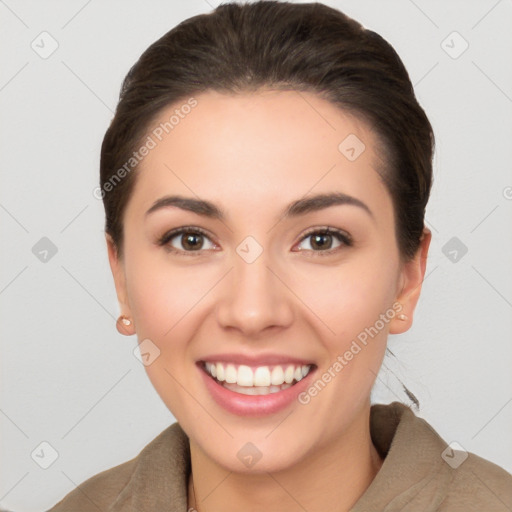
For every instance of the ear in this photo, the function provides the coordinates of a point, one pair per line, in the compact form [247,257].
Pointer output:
[117,268]
[411,280]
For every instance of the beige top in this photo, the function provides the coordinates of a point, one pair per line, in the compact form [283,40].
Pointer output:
[420,473]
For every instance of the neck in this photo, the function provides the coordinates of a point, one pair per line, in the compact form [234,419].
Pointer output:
[338,472]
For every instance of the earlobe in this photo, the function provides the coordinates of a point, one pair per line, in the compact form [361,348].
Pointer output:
[125,326]
[411,280]
[124,323]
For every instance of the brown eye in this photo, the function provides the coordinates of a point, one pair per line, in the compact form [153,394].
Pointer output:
[325,240]
[321,241]
[192,241]
[186,240]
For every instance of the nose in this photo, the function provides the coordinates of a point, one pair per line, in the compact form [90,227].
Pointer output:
[254,298]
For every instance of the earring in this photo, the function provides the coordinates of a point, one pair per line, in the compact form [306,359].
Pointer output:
[402,317]
[123,324]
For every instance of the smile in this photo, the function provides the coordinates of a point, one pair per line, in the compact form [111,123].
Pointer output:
[260,380]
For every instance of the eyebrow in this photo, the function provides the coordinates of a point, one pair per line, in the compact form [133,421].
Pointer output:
[295,209]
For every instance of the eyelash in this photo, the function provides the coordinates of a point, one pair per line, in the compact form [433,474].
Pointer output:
[345,238]
[167,237]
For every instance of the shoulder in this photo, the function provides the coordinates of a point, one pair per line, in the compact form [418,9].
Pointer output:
[114,486]
[460,480]
[422,472]
[476,484]
[99,491]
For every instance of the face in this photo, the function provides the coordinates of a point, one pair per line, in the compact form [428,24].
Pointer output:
[277,271]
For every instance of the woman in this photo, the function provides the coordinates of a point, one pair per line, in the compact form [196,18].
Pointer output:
[265,179]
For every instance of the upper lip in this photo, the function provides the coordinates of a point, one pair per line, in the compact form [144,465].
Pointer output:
[255,360]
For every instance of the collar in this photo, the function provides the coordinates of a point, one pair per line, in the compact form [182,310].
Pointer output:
[412,469]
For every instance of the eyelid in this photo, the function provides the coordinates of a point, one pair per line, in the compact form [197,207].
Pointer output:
[344,238]
[329,230]
[165,239]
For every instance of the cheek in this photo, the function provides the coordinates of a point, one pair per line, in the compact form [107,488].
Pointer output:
[169,305]
[162,295]
[165,304]
[350,296]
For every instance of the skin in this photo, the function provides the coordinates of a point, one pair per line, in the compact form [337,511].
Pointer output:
[252,154]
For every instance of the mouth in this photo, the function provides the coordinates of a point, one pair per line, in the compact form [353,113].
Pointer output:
[256,380]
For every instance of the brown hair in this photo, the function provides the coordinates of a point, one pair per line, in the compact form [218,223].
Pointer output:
[280,45]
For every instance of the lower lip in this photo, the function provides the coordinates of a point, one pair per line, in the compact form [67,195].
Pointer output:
[254,405]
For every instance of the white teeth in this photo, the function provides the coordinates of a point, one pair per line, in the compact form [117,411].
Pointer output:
[277,377]
[245,377]
[219,369]
[231,374]
[211,368]
[261,377]
[244,390]
[256,390]
[288,374]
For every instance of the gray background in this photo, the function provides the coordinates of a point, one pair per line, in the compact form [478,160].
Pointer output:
[70,380]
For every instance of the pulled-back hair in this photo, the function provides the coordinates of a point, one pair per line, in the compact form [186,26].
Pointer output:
[280,45]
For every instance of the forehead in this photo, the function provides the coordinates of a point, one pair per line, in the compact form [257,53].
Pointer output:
[267,147]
